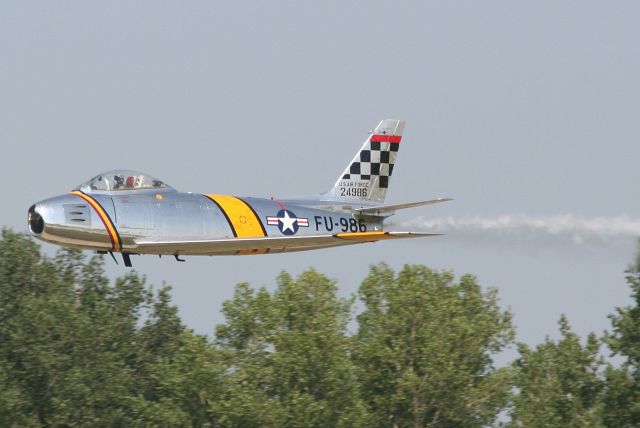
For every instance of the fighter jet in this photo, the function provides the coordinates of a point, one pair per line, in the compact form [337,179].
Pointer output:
[131,213]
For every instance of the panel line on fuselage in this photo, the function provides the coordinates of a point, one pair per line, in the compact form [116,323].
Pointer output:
[242,219]
[116,241]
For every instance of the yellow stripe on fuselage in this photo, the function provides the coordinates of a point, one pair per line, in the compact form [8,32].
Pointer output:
[242,219]
[116,244]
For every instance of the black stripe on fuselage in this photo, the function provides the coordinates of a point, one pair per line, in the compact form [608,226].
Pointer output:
[264,231]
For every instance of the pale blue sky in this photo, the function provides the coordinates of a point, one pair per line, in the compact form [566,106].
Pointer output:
[511,107]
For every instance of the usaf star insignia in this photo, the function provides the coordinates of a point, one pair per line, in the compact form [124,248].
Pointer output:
[287,221]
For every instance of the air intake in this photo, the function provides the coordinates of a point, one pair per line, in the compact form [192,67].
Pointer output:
[36,223]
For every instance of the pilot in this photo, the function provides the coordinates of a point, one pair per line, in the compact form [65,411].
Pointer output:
[118,181]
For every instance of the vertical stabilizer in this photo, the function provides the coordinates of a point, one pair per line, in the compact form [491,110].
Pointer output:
[367,177]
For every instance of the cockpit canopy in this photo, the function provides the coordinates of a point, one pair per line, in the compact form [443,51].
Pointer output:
[122,180]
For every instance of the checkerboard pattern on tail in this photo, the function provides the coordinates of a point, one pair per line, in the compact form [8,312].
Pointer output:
[377,160]
[367,177]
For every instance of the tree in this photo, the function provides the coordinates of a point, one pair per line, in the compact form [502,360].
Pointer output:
[557,383]
[76,350]
[288,356]
[622,395]
[424,349]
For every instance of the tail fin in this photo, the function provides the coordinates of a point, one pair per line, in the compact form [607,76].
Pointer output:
[367,177]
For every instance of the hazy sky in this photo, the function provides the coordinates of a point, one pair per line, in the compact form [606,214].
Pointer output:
[528,108]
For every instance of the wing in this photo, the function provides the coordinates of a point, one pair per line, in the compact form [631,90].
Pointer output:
[261,245]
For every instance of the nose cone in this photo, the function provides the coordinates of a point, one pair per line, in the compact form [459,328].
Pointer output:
[67,220]
[35,220]
[45,217]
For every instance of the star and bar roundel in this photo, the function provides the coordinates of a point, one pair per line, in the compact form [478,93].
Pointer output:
[287,221]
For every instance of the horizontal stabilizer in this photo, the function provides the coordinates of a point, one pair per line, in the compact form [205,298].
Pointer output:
[384,210]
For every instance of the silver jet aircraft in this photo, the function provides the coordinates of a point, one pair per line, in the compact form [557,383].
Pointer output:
[133,213]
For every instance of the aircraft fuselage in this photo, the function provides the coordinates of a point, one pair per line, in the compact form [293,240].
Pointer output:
[155,222]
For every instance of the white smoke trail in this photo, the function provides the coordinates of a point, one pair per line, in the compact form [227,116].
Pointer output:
[595,233]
